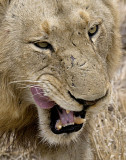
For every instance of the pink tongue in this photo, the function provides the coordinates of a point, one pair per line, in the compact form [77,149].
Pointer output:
[66,118]
[41,100]
[45,103]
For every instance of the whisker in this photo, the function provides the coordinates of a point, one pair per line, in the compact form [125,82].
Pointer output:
[22,81]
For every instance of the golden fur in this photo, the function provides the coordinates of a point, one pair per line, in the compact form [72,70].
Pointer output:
[77,64]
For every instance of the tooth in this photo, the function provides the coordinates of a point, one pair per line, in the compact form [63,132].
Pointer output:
[65,125]
[71,123]
[79,120]
[67,111]
[68,124]
[58,125]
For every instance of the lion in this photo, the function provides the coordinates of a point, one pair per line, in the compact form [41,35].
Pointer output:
[57,59]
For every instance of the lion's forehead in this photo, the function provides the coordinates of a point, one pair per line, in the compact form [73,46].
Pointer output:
[52,9]
[53,6]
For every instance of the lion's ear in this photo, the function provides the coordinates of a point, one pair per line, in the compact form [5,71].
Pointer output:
[3,7]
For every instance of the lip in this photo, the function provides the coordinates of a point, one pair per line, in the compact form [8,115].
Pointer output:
[88,103]
[45,102]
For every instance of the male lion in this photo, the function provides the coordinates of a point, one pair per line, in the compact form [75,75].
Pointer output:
[57,59]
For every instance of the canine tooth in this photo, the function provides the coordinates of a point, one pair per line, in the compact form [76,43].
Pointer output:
[58,125]
[67,111]
[79,120]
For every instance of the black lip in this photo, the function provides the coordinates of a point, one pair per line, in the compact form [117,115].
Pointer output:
[54,116]
[67,129]
[86,103]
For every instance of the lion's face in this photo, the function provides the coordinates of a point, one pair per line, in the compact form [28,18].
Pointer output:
[59,52]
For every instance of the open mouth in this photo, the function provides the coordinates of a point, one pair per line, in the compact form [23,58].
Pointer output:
[61,120]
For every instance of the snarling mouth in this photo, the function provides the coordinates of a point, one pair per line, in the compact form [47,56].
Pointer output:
[61,120]
[64,121]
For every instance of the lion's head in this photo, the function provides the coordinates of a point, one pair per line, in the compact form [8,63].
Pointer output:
[58,57]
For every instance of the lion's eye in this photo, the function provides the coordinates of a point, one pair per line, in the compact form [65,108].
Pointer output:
[92,31]
[44,45]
